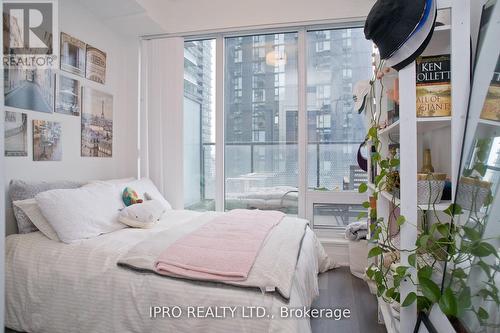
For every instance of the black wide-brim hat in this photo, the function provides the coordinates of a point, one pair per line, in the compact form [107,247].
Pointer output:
[391,22]
[418,41]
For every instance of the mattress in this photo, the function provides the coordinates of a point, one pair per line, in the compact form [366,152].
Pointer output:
[55,287]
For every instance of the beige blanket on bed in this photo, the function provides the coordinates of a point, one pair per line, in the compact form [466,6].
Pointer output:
[273,268]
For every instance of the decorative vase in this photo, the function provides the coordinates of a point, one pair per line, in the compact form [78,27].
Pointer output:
[427,162]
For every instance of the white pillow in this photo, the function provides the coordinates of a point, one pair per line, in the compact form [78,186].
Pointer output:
[83,212]
[142,215]
[31,209]
[145,185]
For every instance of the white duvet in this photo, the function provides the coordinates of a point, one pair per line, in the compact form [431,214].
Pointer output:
[56,287]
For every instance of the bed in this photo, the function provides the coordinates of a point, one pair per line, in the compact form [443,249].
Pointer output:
[56,287]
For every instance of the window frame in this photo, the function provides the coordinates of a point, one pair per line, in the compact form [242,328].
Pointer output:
[306,198]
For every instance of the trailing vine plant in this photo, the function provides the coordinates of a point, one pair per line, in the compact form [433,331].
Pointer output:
[446,243]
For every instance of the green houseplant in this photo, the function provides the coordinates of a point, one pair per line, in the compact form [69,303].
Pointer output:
[443,243]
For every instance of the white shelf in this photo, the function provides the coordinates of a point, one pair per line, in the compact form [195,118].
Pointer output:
[443,205]
[390,197]
[423,125]
[432,123]
[445,27]
[391,323]
[391,129]
[489,122]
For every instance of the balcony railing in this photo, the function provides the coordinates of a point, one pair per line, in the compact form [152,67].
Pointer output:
[331,166]
[264,175]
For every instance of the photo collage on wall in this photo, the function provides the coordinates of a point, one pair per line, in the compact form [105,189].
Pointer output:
[68,91]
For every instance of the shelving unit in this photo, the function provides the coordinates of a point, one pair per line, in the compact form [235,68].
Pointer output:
[443,135]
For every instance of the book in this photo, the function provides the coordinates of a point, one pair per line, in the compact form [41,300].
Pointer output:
[433,86]
[491,107]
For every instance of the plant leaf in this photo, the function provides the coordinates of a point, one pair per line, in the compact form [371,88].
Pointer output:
[463,301]
[410,298]
[483,249]
[424,272]
[486,268]
[394,162]
[366,204]
[482,314]
[448,303]
[362,215]
[472,234]
[401,270]
[412,259]
[453,209]
[423,303]
[400,220]
[376,251]
[423,241]
[390,292]
[362,188]
[459,273]
[430,289]
[443,228]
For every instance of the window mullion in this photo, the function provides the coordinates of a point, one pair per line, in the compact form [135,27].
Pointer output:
[302,121]
[219,123]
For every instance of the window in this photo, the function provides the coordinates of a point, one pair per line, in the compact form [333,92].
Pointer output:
[261,164]
[335,130]
[199,124]
[262,120]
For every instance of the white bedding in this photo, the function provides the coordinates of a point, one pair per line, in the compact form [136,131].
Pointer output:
[56,287]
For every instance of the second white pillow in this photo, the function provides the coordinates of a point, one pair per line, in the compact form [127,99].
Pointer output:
[83,212]
[33,212]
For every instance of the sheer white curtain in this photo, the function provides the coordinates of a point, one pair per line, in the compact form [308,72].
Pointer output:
[161,122]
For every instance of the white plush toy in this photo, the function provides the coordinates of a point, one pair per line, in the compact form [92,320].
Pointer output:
[142,215]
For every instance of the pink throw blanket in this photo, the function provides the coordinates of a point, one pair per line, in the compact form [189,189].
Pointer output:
[224,249]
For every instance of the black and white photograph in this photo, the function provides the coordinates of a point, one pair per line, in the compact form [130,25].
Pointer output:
[97,123]
[16,134]
[73,55]
[29,89]
[47,144]
[68,97]
[96,65]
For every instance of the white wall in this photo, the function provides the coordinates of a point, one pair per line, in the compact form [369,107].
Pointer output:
[121,81]
[184,16]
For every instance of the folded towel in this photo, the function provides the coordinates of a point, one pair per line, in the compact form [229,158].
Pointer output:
[223,249]
[356,231]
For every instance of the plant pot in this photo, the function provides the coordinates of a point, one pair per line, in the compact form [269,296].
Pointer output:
[472,193]
[430,188]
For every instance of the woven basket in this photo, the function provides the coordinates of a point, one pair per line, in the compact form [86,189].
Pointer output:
[430,188]
[472,193]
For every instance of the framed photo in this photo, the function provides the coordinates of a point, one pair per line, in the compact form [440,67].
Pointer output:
[29,89]
[73,55]
[68,96]
[47,140]
[16,134]
[96,65]
[97,124]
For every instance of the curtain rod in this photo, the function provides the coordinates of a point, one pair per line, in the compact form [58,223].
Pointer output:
[316,24]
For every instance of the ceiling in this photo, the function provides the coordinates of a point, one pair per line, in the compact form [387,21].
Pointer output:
[127,17]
